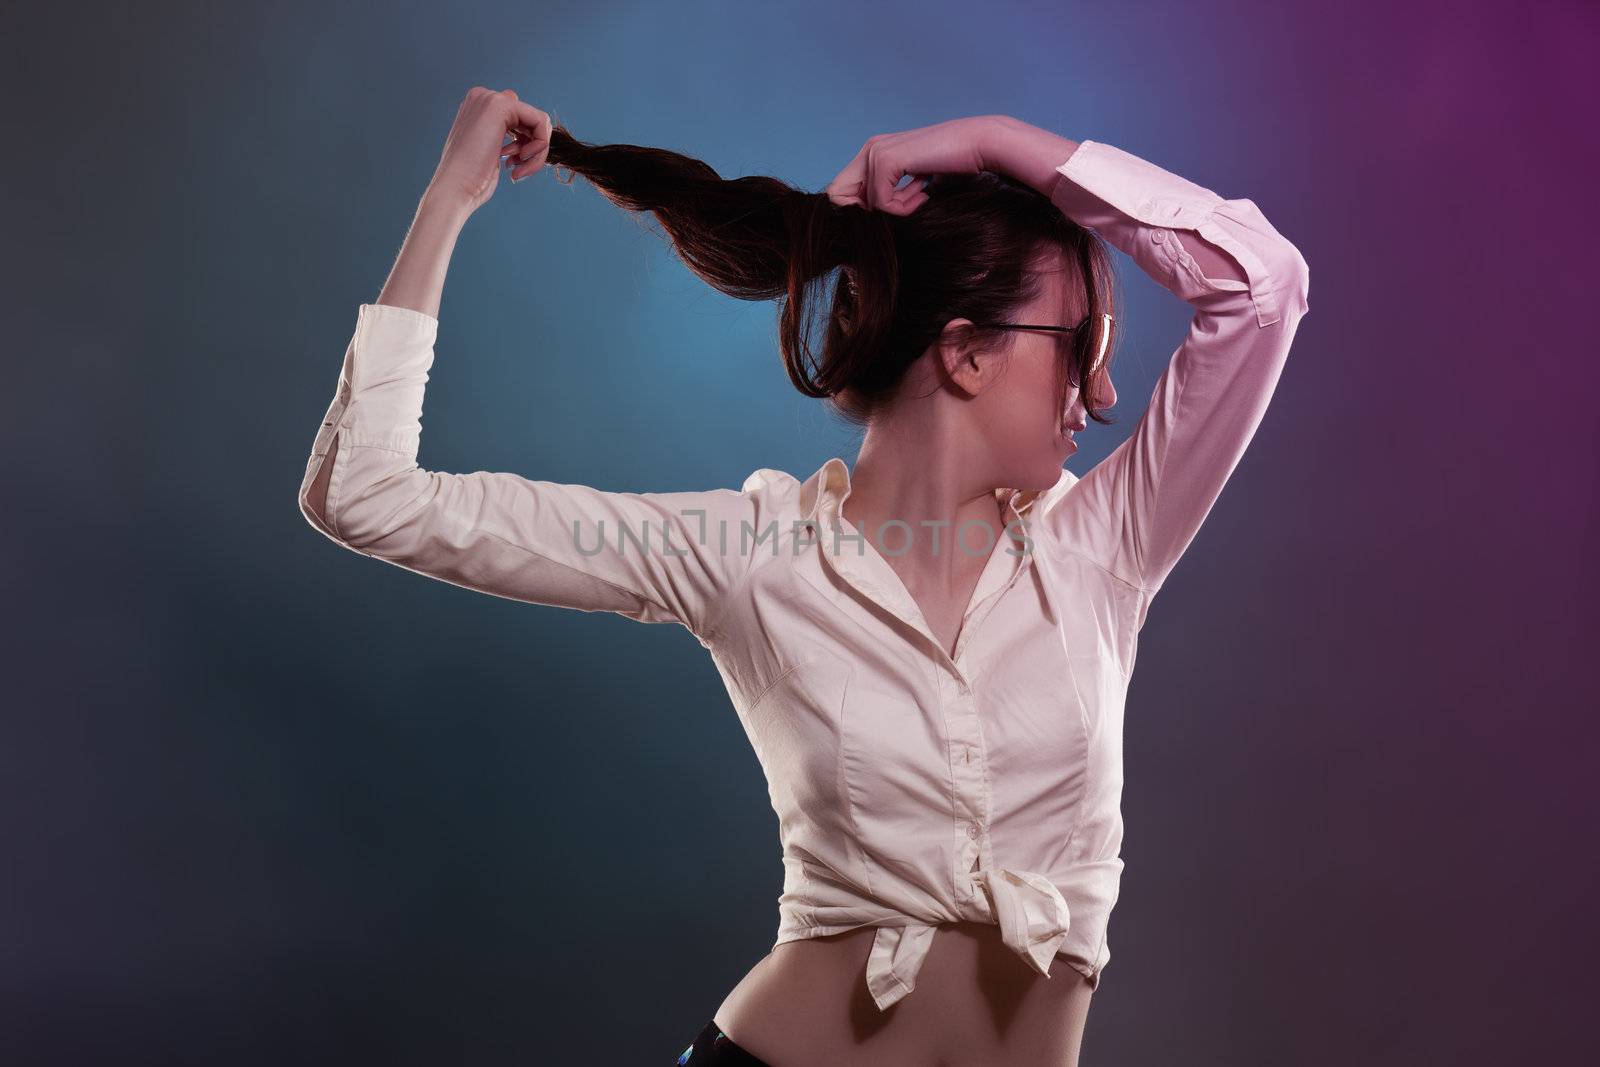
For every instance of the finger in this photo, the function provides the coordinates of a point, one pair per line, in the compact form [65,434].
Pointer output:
[883,174]
[520,139]
[846,195]
[907,205]
[849,186]
[524,166]
[531,120]
[913,196]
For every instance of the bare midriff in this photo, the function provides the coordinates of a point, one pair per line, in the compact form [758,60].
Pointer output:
[976,1004]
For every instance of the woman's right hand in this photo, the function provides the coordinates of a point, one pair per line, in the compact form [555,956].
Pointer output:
[872,178]
[469,168]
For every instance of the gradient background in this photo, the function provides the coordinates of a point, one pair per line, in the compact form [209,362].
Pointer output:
[265,801]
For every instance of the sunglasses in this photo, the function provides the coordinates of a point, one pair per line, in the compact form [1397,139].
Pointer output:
[1102,335]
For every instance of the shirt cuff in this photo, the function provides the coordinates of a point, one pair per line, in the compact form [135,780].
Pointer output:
[385,376]
[1125,199]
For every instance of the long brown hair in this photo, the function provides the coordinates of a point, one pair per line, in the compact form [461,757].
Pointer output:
[970,251]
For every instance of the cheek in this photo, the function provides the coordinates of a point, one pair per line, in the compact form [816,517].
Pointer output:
[1046,401]
[1032,416]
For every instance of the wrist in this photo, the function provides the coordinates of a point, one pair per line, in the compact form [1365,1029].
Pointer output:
[417,279]
[1025,152]
[441,207]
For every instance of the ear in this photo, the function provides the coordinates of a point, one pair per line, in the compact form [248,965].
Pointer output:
[963,362]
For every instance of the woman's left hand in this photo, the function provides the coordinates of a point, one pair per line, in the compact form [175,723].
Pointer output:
[952,147]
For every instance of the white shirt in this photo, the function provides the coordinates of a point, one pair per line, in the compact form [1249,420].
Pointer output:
[912,788]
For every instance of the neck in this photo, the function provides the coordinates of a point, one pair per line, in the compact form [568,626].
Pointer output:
[918,479]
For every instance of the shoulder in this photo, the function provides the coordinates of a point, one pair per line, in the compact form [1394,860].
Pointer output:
[783,493]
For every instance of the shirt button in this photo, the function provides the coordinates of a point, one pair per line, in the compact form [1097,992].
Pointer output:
[972,832]
[1159,236]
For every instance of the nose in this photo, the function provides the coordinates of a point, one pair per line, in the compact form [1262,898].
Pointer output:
[1105,394]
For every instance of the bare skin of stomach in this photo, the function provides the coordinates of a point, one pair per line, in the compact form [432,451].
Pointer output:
[976,1004]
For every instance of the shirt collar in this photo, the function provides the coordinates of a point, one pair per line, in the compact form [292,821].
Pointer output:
[831,484]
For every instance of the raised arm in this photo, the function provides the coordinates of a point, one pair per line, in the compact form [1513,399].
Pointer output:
[654,557]
[1137,510]
[467,175]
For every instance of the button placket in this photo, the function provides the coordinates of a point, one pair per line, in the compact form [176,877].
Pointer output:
[968,777]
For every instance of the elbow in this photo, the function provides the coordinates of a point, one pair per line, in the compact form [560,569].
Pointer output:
[314,491]
[313,511]
[389,511]
[1277,277]
[1292,265]
[1299,288]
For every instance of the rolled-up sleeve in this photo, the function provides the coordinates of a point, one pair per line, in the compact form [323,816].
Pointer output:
[1137,510]
[652,557]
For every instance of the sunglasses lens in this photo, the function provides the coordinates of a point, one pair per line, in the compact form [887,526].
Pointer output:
[1098,339]
[1089,347]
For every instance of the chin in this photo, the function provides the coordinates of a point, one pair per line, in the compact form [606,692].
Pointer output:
[1043,474]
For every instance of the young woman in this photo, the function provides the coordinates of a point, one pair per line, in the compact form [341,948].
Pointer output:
[929,651]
